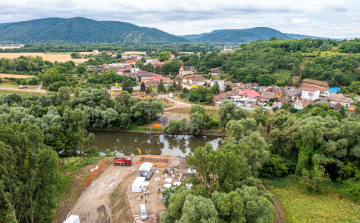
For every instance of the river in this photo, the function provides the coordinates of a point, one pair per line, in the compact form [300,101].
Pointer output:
[127,143]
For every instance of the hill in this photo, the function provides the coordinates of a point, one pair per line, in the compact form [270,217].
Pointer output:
[236,36]
[79,30]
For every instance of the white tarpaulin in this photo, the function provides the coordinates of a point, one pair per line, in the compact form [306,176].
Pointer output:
[137,186]
[146,167]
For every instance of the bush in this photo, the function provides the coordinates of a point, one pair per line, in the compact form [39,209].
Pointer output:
[92,151]
[276,167]
[353,188]
[55,86]
[33,81]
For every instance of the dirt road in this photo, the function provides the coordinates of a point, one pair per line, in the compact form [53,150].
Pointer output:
[93,206]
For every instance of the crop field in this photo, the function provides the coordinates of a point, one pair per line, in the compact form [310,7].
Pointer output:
[52,57]
[16,76]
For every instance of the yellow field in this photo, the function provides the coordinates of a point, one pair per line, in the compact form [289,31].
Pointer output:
[135,52]
[52,57]
[16,76]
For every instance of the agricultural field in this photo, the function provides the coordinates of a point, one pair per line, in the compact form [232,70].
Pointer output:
[16,76]
[302,206]
[52,57]
[21,91]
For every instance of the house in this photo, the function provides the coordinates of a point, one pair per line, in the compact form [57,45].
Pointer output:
[131,61]
[214,71]
[187,70]
[172,56]
[160,64]
[340,98]
[302,104]
[188,78]
[310,93]
[224,96]
[277,104]
[134,69]
[221,83]
[330,91]
[151,61]
[96,52]
[109,53]
[116,90]
[255,85]
[249,95]
[337,107]
[198,81]
[285,99]
[265,97]
[279,92]
[294,94]
[323,100]
[263,88]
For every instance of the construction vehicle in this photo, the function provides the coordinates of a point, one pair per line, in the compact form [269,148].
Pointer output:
[122,161]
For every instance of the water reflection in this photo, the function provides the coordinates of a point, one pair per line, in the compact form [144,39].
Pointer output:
[127,144]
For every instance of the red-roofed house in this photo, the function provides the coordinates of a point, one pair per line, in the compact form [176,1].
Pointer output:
[160,64]
[310,93]
[131,61]
[142,72]
[248,94]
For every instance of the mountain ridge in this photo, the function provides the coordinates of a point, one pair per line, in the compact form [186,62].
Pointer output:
[79,29]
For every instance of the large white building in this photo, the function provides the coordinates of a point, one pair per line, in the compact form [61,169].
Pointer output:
[310,93]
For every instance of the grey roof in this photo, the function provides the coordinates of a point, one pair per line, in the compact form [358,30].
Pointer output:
[190,68]
[295,92]
[145,74]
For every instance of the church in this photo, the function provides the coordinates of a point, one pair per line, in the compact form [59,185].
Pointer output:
[187,70]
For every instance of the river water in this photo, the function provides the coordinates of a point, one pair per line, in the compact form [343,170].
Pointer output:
[127,143]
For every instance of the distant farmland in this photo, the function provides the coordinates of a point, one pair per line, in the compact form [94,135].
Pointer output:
[16,76]
[52,57]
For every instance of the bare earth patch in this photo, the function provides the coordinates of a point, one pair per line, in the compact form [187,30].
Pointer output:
[20,76]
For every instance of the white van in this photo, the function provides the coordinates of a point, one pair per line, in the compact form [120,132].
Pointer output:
[143,213]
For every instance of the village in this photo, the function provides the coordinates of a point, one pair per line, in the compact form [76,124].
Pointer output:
[245,95]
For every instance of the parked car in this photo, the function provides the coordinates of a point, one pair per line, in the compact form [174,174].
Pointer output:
[143,213]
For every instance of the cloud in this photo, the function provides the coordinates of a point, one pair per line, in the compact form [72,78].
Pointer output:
[301,21]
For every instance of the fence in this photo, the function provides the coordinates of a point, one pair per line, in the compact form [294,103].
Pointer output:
[92,175]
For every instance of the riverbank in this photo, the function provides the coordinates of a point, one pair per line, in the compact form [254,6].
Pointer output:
[155,132]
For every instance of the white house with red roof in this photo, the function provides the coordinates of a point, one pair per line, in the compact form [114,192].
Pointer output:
[249,95]
[310,93]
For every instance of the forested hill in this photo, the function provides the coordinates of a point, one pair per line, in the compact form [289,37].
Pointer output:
[236,36]
[79,30]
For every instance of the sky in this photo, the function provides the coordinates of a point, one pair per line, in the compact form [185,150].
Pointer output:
[324,18]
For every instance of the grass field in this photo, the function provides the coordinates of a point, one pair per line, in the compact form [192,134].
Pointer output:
[16,76]
[301,206]
[52,57]
[15,85]
[9,47]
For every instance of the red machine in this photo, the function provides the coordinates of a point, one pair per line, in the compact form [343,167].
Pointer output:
[122,161]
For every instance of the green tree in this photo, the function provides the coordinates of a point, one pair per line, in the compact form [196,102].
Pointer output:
[139,64]
[261,116]
[142,87]
[228,88]
[161,88]
[197,123]
[29,174]
[215,89]
[163,56]
[227,112]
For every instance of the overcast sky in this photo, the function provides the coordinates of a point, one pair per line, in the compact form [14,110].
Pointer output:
[326,18]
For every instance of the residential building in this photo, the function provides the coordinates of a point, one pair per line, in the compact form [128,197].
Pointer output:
[330,91]
[265,97]
[151,61]
[223,96]
[263,88]
[277,104]
[133,62]
[303,103]
[340,98]
[134,70]
[160,64]
[285,99]
[279,92]
[249,95]
[310,93]
[214,71]
[337,107]
[116,90]
[188,78]
[221,83]
[187,70]
[295,94]
[96,52]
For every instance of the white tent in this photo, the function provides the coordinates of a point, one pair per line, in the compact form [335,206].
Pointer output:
[137,185]
[145,168]
[72,219]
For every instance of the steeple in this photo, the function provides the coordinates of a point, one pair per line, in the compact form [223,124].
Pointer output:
[182,64]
